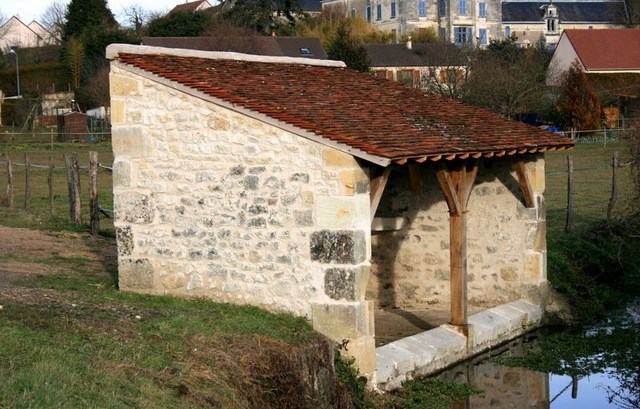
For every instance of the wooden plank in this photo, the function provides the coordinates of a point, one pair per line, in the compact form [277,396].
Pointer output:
[377,187]
[525,184]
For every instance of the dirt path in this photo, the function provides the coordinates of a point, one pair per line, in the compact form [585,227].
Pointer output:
[26,254]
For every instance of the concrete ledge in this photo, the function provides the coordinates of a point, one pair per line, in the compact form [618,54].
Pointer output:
[439,348]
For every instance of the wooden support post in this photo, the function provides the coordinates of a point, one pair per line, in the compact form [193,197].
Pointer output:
[567,225]
[94,223]
[456,182]
[52,203]
[377,188]
[614,186]
[73,182]
[27,181]
[9,183]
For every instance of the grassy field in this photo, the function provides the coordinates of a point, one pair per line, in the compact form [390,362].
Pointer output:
[39,149]
[592,184]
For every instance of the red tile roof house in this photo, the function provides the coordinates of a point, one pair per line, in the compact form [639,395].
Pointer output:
[606,51]
[302,186]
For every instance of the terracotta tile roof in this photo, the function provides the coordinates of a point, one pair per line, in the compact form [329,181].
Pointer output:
[607,49]
[367,116]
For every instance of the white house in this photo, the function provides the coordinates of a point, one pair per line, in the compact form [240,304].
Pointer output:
[16,33]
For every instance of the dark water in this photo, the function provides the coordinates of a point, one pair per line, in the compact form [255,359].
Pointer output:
[609,378]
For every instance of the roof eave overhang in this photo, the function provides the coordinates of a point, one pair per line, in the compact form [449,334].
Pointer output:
[449,156]
[378,160]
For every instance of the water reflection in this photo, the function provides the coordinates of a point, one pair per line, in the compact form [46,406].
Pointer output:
[518,387]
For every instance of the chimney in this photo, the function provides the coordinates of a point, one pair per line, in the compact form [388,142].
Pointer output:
[409,45]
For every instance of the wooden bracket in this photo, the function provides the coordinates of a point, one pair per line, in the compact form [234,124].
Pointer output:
[523,181]
[377,187]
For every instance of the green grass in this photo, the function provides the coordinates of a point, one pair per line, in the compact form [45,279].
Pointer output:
[596,265]
[93,346]
[39,149]
[592,184]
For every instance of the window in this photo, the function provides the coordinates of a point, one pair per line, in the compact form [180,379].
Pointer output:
[482,36]
[482,9]
[393,8]
[463,7]
[369,14]
[462,35]
[442,8]
[379,11]
[353,13]
[305,51]
[422,8]
[507,32]
[406,77]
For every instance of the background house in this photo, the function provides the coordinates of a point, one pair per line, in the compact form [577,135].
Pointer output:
[301,186]
[432,66]
[611,60]
[303,47]
[476,22]
[535,22]
[198,5]
[16,33]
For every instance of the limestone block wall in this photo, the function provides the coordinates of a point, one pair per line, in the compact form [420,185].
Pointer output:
[211,202]
[506,247]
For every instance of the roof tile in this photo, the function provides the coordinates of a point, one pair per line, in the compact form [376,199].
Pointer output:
[379,117]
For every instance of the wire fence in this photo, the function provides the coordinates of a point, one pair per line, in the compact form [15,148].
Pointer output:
[593,182]
[46,185]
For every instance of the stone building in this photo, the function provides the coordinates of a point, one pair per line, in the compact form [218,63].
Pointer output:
[476,22]
[459,22]
[302,186]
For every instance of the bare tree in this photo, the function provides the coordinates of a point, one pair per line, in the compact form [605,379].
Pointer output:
[136,16]
[508,80]
[54,18]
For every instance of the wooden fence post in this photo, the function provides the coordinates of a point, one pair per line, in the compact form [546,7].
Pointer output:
[73,181]
[94,223]
[9,183]
[52,202]
[614,186]
[27,181]
[567,225]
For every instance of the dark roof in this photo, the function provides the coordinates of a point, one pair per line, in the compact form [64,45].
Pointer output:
[370,118]
[311,5]
[607,49]
[275,46]
[420,55]
[191,6]
[569,12]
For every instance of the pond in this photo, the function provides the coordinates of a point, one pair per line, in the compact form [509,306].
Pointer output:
[594,368]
